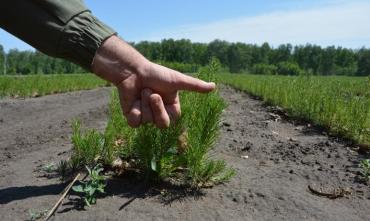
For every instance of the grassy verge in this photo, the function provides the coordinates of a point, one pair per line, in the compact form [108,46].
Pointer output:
[179,154]
[340,104]
[39,85]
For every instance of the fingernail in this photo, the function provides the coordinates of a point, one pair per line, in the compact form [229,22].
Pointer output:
[212,84]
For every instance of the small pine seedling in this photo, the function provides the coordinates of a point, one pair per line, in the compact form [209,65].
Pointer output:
[64,168]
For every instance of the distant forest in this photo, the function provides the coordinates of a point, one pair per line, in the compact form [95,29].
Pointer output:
[187,56]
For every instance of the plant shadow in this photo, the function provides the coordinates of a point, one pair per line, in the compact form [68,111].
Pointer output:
[11,194]
[133,187]
[165,192]
[130,186]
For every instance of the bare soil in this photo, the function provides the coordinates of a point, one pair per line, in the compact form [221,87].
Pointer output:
[275,158]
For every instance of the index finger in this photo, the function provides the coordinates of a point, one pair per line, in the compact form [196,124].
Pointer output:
[185,82]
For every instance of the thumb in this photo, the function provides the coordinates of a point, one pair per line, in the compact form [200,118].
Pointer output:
[185,82]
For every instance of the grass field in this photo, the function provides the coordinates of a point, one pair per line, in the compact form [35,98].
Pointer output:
[340,104]
[39,85]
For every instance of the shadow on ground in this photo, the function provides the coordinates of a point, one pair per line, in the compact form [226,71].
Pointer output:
[129,187]
[11,194]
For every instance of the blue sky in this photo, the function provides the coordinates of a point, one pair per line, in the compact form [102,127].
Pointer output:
[323,22]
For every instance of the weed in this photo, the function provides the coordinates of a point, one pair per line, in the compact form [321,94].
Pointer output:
[49,168]
[93,187]
[365,169]
[37,214]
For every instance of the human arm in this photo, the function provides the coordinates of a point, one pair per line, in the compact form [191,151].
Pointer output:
[67,29]
[59,28]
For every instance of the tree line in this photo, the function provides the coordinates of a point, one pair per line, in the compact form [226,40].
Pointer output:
[187,56]
[34,62]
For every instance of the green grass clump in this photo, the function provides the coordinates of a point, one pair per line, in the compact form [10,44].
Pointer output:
[340,104]
[87,146]
[88,149]
[180,153]
[39,85]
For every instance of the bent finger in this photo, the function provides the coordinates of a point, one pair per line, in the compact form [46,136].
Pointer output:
[160,115]
[128,93]
[174,111]
[134,116]
[146,111]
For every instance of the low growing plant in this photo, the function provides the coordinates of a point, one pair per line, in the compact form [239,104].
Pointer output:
[93,187]
[37,214]
[49,168]
[365,169]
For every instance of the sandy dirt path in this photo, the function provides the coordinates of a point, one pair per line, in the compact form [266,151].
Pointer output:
[275,161]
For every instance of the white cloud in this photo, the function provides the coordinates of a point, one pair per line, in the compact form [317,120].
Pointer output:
[345,24]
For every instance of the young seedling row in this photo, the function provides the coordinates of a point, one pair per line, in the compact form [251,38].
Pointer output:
[39,85]
[339,104]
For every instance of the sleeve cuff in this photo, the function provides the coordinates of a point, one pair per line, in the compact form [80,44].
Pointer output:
[82,37]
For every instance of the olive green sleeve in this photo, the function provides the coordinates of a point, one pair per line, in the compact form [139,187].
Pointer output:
[59,28]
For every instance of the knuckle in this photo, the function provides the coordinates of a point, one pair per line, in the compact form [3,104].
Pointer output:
[135,113]
[146,92]
[124,86]
[134,118]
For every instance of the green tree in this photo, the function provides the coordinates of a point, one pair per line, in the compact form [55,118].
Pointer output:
[363,62]
[151,50]
[308,57]
[345,63]
[239,57]
[177,51]
[281,54]
[2,54]
[218,49]
[288,68]
[200,55]
[327,61]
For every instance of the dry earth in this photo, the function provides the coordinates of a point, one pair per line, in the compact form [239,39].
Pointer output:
[276,160]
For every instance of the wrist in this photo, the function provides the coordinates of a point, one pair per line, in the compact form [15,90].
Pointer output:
[115,60]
